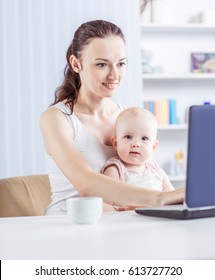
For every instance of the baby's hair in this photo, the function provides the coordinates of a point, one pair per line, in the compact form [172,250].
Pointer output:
[135,111]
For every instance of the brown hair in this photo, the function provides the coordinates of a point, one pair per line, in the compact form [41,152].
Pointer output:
[84,34]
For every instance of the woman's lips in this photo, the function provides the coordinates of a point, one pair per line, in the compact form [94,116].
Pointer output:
[110,85]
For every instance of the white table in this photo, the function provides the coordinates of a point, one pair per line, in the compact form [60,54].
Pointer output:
[124,235]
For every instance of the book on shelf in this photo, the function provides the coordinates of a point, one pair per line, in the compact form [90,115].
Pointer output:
[173,112]
[164,110]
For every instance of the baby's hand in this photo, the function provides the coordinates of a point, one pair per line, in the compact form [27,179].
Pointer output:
[108,207]
[125,208]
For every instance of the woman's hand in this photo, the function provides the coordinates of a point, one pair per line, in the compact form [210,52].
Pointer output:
[172,197]
[167,198]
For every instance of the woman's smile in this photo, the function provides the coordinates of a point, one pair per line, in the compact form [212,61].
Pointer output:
[110,86]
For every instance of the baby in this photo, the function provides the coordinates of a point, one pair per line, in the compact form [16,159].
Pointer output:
[135,141]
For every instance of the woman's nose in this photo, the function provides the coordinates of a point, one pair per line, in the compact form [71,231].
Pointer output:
[113,73]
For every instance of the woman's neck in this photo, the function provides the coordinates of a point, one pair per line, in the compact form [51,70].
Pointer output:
[94,106]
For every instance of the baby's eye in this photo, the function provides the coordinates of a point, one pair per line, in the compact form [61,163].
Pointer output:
[144,138]
[101,65]
[128,137]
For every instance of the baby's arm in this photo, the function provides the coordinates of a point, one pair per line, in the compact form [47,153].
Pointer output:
[167,186]
[112,171]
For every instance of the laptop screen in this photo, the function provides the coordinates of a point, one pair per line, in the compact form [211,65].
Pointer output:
[200,182]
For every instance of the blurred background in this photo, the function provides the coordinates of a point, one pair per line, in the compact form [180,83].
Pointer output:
[161,38]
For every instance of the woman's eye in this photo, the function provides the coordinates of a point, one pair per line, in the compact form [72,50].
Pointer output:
[121,64]
[101,65]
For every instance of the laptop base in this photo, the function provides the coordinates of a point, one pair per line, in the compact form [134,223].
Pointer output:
[184,214]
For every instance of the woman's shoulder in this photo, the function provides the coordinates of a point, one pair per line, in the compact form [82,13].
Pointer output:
[120,106]
[55,116]
[56,110]
[50,114]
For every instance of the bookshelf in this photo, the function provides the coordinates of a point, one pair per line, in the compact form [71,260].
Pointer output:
[172,138]
[177,179]
[173,127]
[185,76]
[184,28]
[170,48]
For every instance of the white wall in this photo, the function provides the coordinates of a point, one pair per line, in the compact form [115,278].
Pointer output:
[34,36]
[177,11]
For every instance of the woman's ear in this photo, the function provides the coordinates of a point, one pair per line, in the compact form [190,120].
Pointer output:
[114,143]
[155,145]
[75,63]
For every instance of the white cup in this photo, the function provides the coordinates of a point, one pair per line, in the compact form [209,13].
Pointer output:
[84,210]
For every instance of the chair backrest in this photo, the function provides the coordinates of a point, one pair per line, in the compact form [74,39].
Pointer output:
[24,195]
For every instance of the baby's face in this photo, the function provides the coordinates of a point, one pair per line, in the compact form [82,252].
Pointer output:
[135,139]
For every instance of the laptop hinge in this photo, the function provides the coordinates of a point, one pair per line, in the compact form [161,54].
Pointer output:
[197,208]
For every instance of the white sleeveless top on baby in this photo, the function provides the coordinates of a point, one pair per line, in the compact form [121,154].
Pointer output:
[150,178]
[94,152]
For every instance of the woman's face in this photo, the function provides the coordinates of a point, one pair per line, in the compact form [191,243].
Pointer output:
[103,66]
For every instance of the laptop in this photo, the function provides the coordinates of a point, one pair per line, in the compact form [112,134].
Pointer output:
[199,199]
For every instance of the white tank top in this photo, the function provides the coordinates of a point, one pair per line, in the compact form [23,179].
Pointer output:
[94,152]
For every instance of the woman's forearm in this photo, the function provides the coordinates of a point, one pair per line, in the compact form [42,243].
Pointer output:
[120,193]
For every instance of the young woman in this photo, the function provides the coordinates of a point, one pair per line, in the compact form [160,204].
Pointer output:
[78,127]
